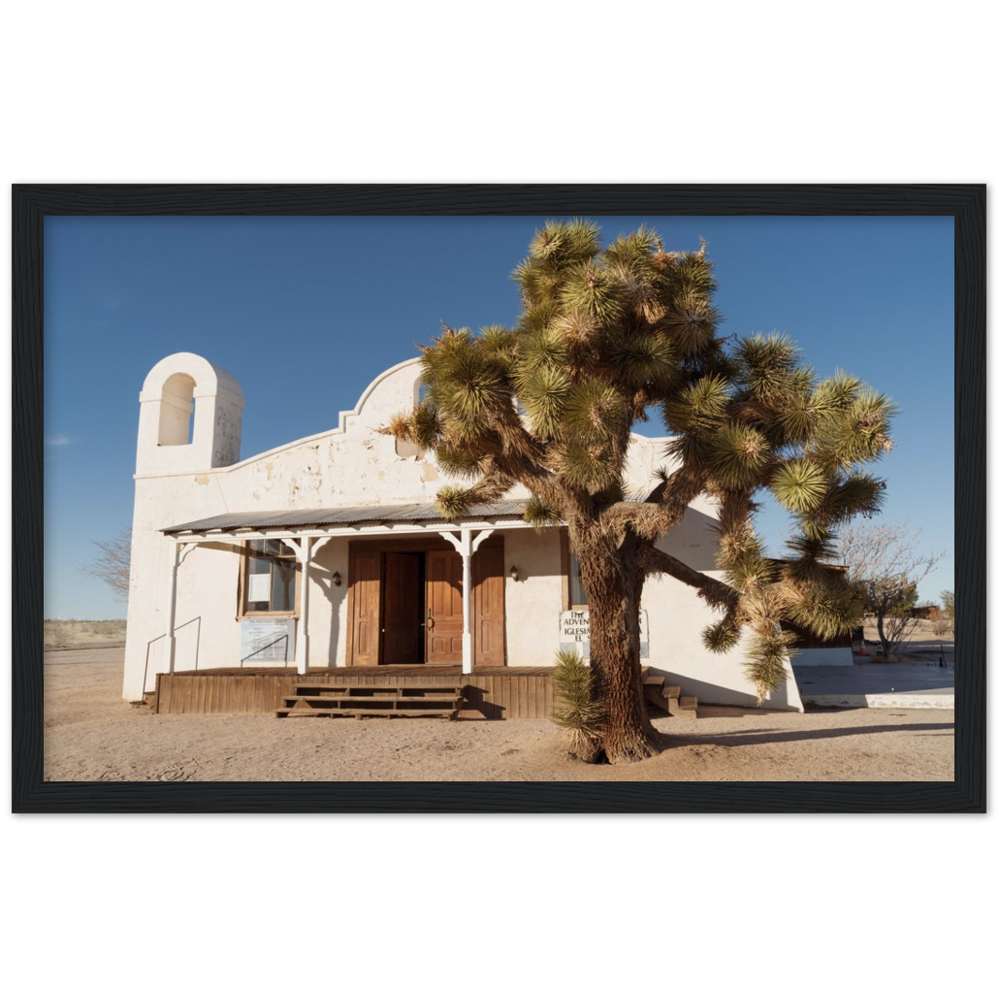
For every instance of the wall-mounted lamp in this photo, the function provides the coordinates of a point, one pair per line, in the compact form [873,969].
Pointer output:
[513,573]
[337,579]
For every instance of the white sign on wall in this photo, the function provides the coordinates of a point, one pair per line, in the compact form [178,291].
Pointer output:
[267,640]
[574,633]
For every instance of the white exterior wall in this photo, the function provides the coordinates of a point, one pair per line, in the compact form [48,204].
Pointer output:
[328,605]
[354,465]
[534,600]
[837,656]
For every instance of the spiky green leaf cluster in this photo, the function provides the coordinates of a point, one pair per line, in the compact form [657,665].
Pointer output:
[543,396]
[799,485]
[577,706]
[720,637]
[810,557]
[768,367]
[768,655]
[828,610]
[540,514]
[700,408]
[457,462]
[750,568]
[738,456]
[593,412]
[585,467]
[421,426]
[454,501]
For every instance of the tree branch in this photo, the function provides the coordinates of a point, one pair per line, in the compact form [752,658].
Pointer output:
[650,519]
[656,495]
[681,488]
[714,592]
[492,485]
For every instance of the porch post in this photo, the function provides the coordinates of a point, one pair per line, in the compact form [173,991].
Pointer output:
[466,551]
[467,546]
[302,642]
[181,549]
[172,609]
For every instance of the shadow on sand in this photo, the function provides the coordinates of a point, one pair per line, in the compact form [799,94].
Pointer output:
[757,737]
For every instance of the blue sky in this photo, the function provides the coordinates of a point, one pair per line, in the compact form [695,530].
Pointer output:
[306,311]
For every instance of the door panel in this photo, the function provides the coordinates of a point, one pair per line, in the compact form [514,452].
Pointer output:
[488,606]
[443,607]
[402,637]
[364,593]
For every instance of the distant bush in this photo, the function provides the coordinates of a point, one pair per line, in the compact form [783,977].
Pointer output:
[108,628]
[61,632]
[945,621]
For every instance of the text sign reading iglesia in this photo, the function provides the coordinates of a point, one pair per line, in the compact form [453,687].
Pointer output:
[574,633]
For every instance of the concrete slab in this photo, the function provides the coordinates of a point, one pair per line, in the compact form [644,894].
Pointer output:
[877,685]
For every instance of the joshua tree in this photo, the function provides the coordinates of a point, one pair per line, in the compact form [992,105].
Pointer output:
[605,336]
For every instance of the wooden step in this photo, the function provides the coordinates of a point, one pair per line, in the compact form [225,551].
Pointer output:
[379,704]
[684,707]
[668,697]
[363,713]
[416,685]
[373,700]
[380,695]
[392,690]
[448,696]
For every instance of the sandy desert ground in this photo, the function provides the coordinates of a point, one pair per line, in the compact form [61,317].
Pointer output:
[92,735]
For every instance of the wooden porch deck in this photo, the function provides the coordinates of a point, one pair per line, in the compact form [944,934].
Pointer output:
[491,692]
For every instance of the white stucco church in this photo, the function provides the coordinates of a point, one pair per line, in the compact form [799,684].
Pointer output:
[328,554]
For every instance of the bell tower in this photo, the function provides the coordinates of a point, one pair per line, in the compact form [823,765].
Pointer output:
[190,417]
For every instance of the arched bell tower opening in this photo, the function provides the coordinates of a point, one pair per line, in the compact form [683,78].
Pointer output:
[177,410]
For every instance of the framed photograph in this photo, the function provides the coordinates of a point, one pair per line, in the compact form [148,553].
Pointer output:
[263,590]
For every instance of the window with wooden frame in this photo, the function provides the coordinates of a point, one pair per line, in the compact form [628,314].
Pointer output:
[269,586]
[410,449]
[574,594]
[577,594]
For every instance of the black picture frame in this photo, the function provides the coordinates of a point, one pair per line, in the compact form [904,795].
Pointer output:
[965,203]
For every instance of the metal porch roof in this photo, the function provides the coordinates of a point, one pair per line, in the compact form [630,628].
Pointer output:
[343,516]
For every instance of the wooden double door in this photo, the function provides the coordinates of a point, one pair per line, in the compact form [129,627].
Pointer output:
[405,604]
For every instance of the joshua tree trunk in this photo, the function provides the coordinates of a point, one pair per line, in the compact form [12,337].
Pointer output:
[614,586]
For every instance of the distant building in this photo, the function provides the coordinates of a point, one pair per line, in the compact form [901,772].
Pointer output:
[328,553]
